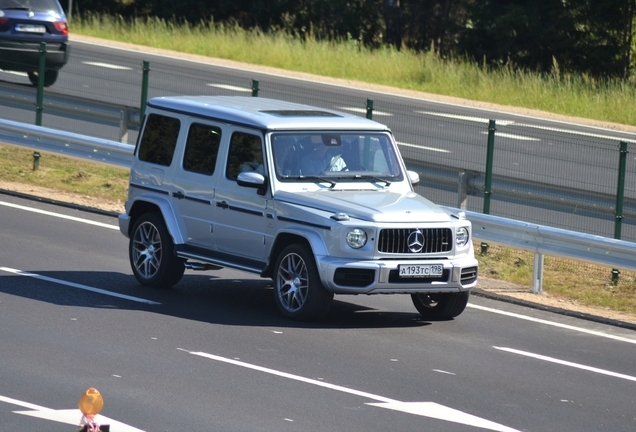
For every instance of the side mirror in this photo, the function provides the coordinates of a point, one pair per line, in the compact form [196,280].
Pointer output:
[251,179]
[254,180]
[414,177]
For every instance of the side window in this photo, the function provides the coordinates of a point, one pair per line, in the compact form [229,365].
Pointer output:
[245,154]
[202,148]
[159,139]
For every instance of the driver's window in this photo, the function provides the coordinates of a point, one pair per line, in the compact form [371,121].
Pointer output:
[245,154]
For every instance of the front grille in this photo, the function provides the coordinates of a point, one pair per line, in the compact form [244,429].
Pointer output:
[403,240]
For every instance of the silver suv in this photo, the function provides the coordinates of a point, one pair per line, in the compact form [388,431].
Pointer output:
[317,200]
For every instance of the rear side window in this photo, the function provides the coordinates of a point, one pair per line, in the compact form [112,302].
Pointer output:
[202,148]
[159,139]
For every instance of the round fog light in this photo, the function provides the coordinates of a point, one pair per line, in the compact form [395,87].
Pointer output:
[356,238]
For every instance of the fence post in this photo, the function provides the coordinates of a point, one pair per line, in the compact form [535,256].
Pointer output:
[144,90]
[488,184]
[620,198]
[123,126]
[370,109]
[40,95]
[254,88]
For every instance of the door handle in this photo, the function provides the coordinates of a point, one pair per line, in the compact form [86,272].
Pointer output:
[178,195]
[222,204]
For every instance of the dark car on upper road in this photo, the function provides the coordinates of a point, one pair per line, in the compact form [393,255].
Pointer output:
[24,24]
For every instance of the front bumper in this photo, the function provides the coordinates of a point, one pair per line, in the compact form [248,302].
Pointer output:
[381,276]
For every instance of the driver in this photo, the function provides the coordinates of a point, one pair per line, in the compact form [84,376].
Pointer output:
[319,160]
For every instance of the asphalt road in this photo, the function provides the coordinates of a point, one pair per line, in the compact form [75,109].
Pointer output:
[213,354]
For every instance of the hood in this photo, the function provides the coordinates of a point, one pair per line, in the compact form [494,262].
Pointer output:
[370,205]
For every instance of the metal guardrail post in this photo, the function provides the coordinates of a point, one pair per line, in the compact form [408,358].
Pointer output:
[537,273]
[370,109]
[39,104]
[123,127]
[620,199]
[254,88]
[462,191]
[144,89]
[488,182]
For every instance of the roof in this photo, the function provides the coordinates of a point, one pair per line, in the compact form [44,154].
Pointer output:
[264,113]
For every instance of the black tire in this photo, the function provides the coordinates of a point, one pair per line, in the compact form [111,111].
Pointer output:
[440,306]
[298,291]
[50,76]
[151,253]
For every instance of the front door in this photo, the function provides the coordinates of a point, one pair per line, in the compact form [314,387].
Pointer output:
[242,225]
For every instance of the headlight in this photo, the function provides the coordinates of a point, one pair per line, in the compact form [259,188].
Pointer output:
[356,238]
[461,237]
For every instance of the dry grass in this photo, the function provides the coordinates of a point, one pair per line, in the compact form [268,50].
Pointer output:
[588,284]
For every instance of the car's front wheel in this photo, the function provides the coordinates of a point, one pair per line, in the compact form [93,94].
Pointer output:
[151,252]
[50,76]
[440,306]
[298,291]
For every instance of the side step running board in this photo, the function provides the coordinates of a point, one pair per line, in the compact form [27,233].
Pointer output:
[201,266]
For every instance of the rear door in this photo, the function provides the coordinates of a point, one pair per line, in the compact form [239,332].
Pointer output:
[193,188]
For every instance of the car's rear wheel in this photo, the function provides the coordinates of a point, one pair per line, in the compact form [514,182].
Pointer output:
[440,306]
[298,291]
[151,252]
[50,76]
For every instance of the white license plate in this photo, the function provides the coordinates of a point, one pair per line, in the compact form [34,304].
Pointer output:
[30,28]
[420,270]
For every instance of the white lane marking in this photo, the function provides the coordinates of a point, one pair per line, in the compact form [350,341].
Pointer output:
[443,372]
[23,404]
[441,412]
[69,416]
[567,363]
[511,136]
[554,324]
[466,118]
[73,417]
[435,149]
[76,285]
[364,111]
[426,409]
[58,215]
[230,87]
[511,122]
[107,65]
[571,132]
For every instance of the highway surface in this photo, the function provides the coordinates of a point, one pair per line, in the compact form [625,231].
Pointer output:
[563,155]
[213,354]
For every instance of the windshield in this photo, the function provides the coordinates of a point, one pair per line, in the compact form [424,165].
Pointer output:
[341,156]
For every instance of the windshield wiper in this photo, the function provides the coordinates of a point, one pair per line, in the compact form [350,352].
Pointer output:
[318,179]
[371,178]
